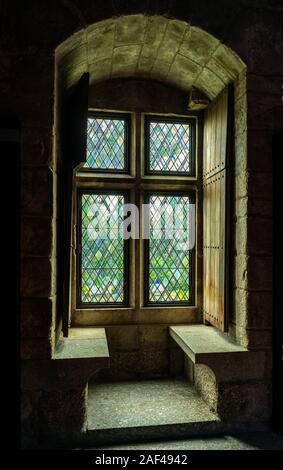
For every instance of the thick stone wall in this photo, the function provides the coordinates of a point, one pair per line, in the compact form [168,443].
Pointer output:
[251,311]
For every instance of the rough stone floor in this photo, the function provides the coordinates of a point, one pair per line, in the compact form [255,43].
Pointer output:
[145,403]
[161,414]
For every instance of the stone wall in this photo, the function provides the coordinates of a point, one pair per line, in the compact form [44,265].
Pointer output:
[251,322]
[27,85]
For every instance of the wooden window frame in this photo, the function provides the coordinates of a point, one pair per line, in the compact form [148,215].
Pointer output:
[137,183]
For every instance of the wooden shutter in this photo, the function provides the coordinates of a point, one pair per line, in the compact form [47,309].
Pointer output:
[215,210]
[74,141]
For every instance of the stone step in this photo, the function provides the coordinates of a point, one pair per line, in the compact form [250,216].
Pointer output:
[148,410]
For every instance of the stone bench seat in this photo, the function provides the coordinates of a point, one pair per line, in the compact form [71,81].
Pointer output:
[83,344]
[228,376]
[205,344]
[61,383]
[201,340]
[75,360]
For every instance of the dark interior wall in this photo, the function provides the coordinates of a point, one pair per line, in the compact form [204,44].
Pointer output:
[250,27]
[277,146]
[30,32]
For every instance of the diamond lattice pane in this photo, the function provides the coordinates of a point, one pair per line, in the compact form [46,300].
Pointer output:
[102,249]
[106,144]
[170,147]
[169,261]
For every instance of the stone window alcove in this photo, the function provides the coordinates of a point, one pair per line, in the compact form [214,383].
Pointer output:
[173,54]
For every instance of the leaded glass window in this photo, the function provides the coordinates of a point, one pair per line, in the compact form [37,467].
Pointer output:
[169,259]
[102,248]
[170,146]
[107,142]
[105,266]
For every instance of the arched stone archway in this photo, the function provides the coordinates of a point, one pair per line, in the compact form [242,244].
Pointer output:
[151,47]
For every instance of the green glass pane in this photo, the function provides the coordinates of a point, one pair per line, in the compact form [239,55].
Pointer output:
[169,262]
[102,252]
[105,144]
[170,147]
